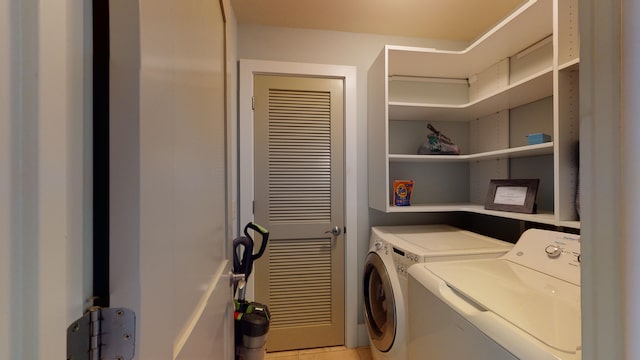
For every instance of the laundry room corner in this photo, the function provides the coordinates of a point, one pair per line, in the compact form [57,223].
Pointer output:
[305,46]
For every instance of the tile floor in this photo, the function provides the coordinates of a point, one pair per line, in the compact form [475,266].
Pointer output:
[330,353]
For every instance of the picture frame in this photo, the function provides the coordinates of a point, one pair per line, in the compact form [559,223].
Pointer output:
[514,195]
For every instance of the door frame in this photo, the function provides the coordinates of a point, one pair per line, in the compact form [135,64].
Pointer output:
[249,68]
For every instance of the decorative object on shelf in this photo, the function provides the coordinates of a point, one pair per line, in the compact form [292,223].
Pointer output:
[438,144]
[515,195]
[402,190]
[538,138]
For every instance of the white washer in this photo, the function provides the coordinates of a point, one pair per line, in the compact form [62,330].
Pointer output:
[523,305]
[392,250]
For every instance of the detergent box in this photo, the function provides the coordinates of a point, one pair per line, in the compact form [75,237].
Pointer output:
[402,190]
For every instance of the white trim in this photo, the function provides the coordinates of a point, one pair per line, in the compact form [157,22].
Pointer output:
[630,88]
[10,189]
[608,210]
[248,68]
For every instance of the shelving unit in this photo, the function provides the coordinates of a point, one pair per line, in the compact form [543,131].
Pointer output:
[520,77]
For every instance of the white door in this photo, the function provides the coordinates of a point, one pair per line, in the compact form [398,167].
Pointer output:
[169,177]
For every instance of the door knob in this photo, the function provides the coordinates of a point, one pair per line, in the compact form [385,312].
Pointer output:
[335,231]
[236,278]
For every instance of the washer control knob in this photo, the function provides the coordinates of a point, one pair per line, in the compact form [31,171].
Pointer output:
[553,251]
[378,245]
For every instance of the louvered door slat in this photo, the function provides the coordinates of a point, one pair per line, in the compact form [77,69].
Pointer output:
[295,267]
[294,118]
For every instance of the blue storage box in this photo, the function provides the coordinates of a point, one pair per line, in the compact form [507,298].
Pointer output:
[538,138]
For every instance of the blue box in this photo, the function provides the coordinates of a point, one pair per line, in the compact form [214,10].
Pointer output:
[538,138]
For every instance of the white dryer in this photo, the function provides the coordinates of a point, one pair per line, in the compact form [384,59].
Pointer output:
[523,305]
[393,249]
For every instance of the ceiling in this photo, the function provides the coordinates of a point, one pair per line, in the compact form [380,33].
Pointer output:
[457,20]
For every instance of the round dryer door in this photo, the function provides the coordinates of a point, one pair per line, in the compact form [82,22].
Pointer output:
[379,303]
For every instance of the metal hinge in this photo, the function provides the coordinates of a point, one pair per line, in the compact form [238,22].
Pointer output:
[102,333]
[253,103]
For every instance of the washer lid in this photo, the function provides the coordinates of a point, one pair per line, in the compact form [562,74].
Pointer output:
[440,240]
[545,307]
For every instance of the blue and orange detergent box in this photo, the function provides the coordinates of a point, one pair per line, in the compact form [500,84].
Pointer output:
[402,190]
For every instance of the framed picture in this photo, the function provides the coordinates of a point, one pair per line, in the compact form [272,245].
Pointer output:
[515,195]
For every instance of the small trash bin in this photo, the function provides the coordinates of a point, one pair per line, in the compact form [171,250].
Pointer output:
[254,330]
[252,326]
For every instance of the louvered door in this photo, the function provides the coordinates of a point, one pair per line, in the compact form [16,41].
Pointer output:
[299,179]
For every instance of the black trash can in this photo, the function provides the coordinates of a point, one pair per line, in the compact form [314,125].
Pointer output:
[251,328]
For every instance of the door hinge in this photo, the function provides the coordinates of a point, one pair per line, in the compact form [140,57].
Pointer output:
[102,333]
[253,103]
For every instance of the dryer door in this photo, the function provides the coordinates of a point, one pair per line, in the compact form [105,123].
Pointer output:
[379,303]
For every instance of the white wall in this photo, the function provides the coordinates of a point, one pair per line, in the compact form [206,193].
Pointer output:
[43,98]
[9,243]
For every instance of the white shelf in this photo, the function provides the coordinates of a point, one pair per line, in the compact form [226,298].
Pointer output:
[527,25]
[570,224]
[544,218]
[530,89]
[570,65]
[522,151]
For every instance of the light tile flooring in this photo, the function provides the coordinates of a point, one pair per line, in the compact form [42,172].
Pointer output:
[330,353]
